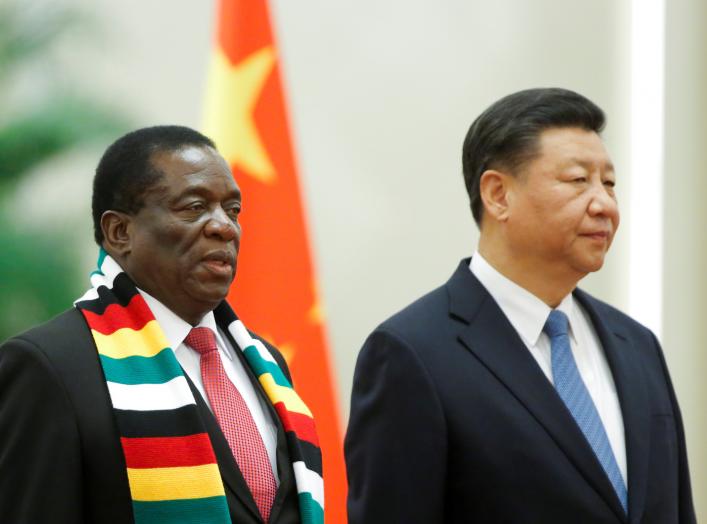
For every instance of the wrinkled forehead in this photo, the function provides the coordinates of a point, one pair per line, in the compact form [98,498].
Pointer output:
[180,168]
[185,159]
[567,147]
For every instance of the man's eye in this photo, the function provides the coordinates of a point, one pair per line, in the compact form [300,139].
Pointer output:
[609,183]
[195,206]
[579,179]
[233,212]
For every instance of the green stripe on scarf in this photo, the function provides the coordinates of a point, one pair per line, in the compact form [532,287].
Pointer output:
[159,369]
[186,511]
[259,366]
[309,509]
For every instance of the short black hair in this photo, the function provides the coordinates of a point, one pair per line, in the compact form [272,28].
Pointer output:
[125,171]
[506,134]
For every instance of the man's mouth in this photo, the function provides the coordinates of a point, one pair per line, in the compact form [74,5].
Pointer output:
[220,262]
[597,235]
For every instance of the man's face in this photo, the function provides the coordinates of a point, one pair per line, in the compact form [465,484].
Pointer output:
[184,241]
[562,208]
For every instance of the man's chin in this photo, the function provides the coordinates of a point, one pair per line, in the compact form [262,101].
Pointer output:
[210,293]
[590,266]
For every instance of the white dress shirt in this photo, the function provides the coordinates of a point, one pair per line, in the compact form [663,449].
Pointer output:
[176,330]
[528,314]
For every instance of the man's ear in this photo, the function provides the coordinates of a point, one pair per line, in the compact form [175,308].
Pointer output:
[494,187]
[117,229]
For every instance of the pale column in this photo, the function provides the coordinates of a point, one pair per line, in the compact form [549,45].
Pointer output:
[685,258]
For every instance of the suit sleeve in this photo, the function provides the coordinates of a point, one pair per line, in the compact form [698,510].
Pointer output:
[40,467]
[685,505]
[396,441]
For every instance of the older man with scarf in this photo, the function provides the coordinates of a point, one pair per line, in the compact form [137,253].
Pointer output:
[150,401]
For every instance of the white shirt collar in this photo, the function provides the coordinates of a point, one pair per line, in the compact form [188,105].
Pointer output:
[526,312]
[174,327]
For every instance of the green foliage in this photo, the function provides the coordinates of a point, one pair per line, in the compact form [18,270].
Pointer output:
[39,279]
[58,124]
[38,269]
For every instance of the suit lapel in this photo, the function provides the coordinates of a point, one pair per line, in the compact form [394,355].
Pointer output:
[493,340]
[629,378]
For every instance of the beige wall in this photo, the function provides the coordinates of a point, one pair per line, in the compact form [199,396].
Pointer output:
[381,95]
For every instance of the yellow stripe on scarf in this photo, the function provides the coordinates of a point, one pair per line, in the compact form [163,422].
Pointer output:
[194,482]
[277,393]
[126,342]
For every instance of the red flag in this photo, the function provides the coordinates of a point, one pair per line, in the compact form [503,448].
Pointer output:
[276,291]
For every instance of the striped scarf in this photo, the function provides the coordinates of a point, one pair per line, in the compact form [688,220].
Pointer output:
[171,466]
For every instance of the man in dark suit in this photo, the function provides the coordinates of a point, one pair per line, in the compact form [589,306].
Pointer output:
[508,395]
[165,209]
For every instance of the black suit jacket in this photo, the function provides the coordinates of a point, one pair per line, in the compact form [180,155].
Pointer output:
[453,421]
[60,457]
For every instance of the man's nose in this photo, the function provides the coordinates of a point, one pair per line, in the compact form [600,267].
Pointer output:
[221,225]
[602,202]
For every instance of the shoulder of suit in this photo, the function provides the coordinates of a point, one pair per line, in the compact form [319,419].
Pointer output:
[62,344]
[421,315]
[62,330]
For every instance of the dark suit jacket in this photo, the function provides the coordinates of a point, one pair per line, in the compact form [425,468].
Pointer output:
[60,458]
[453,421]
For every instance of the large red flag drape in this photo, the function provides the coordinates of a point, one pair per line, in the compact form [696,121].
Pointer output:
[275,292]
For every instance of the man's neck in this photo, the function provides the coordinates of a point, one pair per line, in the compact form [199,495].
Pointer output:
[192,316]
[528,274]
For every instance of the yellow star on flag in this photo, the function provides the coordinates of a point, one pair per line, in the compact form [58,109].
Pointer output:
[231,96]
[287,351]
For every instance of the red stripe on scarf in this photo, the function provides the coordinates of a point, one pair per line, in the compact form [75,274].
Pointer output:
[168,452]
[301,425]
[134,316]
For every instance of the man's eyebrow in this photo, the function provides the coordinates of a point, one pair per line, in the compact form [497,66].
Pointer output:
[608,165]
[201,191]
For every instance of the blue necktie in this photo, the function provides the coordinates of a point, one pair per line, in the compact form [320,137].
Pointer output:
[573,392]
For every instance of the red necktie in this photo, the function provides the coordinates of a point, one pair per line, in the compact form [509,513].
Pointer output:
[235,420]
